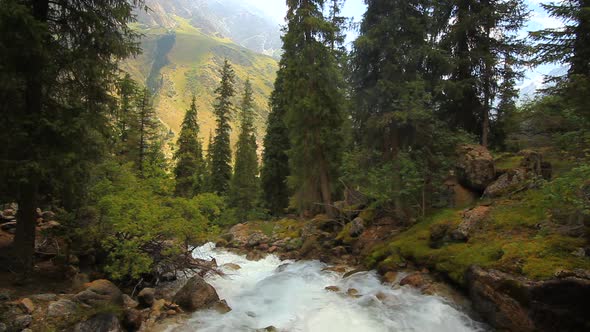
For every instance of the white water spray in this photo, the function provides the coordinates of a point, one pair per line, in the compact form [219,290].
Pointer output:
[291,296]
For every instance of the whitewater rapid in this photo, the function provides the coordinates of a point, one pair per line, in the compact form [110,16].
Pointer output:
[291,296]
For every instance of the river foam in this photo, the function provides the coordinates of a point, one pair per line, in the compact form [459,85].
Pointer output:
[291,296]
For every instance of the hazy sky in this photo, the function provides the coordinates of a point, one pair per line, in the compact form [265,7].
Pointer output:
[538,19]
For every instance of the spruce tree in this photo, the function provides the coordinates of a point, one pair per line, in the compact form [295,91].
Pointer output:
[59,68]
[244,184]
[147,128]
[482,32]
[569,45]
[221,170]
[190,166]
[275,162]
[314,104]
[392,105]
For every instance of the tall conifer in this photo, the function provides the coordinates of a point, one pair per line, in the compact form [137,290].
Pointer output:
[221,171]
[190,166]
[244,184]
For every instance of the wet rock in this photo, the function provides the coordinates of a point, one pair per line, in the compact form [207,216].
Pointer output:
[416,280]
[499,297]
[338,251]
[263,247]
[256,239]
[353,272]
[332,288]
[337,269]
[100,323]
[268,329]
[231,266]
[353,292]
[22,321]
[27,305]
[475,166]
[390,277]
[472,220]
[272,249]
[508,182]
[100,292]
[254,255]
[129,302]
[196,294]
[357,227]
[61,308]
[221,307]
[146,297]
[132,319]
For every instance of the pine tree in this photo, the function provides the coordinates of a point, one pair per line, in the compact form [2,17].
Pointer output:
[244,184]
[59,69]
[190,167]
[221,152]
[569,45]
[482,32]
[147,126]
[275,162]
[391,98]
[209,164]
[314,104]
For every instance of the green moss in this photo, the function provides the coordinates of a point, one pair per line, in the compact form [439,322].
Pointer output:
[367,214]
[344,235]
[510,241]
[508,161]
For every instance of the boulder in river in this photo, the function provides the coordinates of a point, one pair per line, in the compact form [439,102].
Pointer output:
[100,292]
[196,294]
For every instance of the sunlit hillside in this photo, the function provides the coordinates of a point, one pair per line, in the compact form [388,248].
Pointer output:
[184,61]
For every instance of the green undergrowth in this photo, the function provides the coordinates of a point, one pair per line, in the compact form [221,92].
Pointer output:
[512,239]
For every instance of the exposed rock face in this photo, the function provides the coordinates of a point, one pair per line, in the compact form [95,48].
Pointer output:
[472,219]
[100,323]
[475,166]
[511,303]
[196,294]
[511,180]
[100,292]
[237,235]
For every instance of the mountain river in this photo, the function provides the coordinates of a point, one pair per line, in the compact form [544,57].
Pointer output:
[291,296]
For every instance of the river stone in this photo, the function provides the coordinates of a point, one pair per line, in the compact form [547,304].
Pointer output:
[100,292]
[22,321]
[27,305]
[129,302]
[146,297]
[105,322]
[221,307]
[196,294]
[62,307]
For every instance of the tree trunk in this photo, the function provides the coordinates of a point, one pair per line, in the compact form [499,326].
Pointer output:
[326,191]
[24,241]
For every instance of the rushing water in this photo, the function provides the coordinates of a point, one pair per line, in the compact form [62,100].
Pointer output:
[291,297]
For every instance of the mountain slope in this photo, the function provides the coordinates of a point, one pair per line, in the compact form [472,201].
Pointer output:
[180,59]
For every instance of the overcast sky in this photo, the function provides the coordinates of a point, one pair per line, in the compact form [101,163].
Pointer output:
[539,19]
